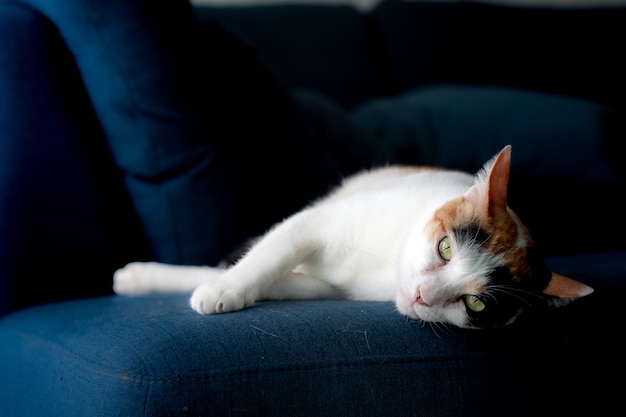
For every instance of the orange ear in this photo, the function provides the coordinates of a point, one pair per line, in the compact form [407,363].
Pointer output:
[566,288]
[499,179]
[489,191]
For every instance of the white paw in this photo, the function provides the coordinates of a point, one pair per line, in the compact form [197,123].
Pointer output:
[211,298]
[135,278]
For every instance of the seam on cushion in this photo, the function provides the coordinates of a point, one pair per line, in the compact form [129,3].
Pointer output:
[84,363]
[225,374]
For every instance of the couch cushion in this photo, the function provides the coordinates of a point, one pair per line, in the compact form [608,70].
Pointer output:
[563,148]
[152,355]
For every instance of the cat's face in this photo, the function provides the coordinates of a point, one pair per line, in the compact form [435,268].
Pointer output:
[476,272]
[477,267]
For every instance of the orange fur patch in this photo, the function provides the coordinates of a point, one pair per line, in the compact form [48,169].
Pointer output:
[503,228]
[454,212]
[505,234]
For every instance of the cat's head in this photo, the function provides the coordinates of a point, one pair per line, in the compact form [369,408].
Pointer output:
[481,269]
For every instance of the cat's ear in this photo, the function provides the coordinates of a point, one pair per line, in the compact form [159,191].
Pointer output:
[498,180]
[565,289]
[490,189]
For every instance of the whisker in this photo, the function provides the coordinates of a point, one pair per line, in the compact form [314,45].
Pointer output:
[444,327]
[433,327]
[518,290]
[477,234]
[513,292]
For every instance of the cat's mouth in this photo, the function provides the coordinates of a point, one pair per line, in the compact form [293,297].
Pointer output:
[414,306]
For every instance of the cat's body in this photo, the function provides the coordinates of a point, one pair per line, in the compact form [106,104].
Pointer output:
[442,244]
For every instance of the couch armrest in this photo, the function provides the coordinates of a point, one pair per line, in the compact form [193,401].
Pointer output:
[61,199]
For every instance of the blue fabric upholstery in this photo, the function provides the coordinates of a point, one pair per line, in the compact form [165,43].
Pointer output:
[562,136]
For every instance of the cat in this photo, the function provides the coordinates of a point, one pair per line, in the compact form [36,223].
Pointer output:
[442,244]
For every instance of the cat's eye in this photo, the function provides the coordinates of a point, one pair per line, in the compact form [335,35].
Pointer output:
[473,303]
[445,250]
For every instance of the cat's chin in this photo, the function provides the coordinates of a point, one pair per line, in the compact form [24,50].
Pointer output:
[404,304]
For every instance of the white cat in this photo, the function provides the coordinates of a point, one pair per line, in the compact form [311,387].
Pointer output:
[442,244]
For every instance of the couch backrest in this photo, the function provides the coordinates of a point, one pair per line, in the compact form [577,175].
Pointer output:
[354,55]
[326,49]
[571,51]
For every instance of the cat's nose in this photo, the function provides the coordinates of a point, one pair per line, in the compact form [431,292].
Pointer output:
[419,300]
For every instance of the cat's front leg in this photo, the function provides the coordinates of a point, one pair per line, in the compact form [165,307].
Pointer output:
[222,297]
[269,261]
[242,285]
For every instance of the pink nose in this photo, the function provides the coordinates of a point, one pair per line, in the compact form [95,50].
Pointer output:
[419,300]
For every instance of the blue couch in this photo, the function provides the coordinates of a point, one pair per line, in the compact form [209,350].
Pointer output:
[142,130]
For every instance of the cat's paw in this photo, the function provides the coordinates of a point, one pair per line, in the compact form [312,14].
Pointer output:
[212,298]
[134,279]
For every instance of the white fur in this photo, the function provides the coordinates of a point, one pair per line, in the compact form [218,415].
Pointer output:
[146,277]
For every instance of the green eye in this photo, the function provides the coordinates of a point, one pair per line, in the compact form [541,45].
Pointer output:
[473,303]
[445,251]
